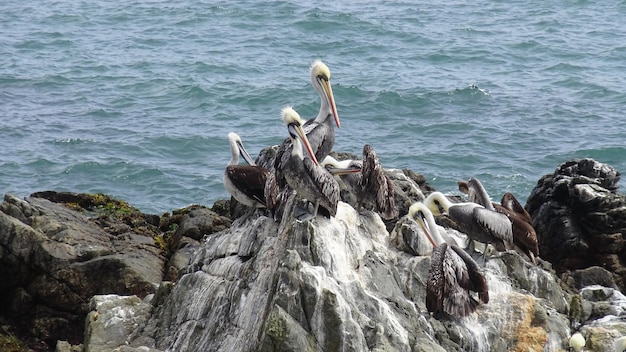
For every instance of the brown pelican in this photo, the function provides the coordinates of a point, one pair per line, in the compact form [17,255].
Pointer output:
[477,222]
[510,202]
[342,167]
[376,185]
[245,183]
[372,187]
[305,175]
[524,235]
[453,274]
[319,130]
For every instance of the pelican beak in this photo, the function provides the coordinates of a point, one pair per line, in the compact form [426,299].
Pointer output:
[328,90]
[244,154]
[417,214]
[338,171]
[422,223]
[297,130]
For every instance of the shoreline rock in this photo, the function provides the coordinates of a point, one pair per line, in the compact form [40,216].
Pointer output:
[90,269]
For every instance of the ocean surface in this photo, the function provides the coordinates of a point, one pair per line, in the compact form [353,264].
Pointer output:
[135,98]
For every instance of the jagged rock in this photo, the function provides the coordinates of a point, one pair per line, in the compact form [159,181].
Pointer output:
[340,284]
[112,321]
[345,283]
[53,260]
[594,275]
[580,219]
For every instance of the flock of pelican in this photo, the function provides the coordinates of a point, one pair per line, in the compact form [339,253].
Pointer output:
[303,165]
[454,276]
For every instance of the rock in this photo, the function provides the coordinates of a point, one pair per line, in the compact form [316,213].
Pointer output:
[593,275]
[340,284]
[113,320]
[54,259]
[345,283]
[580,219]
[64,346]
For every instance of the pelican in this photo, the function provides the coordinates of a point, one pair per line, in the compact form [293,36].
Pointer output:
[305,175]
[319,130]
[453,274]
[376,186]
[480,224]
[342,167]
[510,202]
[245,183]
[576,342]
[524,235]
[476,193]
[372,187]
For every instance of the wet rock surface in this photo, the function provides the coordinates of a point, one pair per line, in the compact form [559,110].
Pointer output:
[93,271]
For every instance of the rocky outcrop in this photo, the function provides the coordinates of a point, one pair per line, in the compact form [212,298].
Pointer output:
[58,250]
[580,219]
[53,260]
[193,281]
[343,284]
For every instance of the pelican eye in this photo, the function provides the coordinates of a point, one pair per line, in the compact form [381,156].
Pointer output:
[322,77]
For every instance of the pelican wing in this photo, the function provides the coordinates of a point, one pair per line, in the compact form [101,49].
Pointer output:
[435,283]
[326,185]
[477,281]
[457,300]
[478,194]
[249,179]
[271,191]
[386,200]
[524,235]
[283,154]
[374,180]
[495,223]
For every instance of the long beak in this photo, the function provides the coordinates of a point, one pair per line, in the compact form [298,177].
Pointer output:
[338,171]
[244,154]
[328,90]
[300,134]
[421,221]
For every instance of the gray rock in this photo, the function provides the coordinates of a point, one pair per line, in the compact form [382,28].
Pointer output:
[113,321]
[339,284]
[53,260]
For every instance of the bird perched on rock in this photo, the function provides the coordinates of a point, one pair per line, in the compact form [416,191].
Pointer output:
[453,274]
[524,235]
[246,183]
[304,174]
[376,187]
[477,222]
[367,181]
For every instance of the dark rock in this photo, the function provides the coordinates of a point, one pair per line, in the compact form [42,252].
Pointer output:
[580,219]
[593,275]
[54,259]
